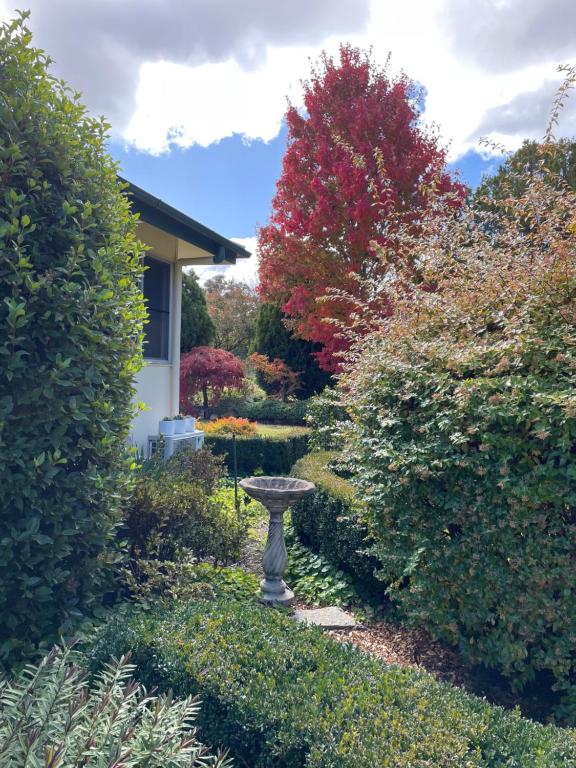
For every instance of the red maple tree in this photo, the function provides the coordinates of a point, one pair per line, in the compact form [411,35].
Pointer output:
[355,164]
[280,376]
[208,370]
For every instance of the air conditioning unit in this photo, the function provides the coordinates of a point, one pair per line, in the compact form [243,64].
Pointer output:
[173,443]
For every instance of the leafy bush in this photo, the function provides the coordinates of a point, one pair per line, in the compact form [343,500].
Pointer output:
[465,420]
[329,523]
[280,694]
[328,418]
[272,411]
[151,580]
[169,518]
[230,583]
[229,425]
[71,315]
[314,578]
[48,717]
[270,455]
[201,467]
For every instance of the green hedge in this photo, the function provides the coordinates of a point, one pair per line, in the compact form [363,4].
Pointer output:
[327,523]
[71,315]
[271,411]
[283,695]
[268,455]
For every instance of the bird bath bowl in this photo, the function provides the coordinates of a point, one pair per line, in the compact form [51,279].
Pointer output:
[276,494]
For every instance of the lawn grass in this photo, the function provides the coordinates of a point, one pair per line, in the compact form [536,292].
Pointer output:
[280,430]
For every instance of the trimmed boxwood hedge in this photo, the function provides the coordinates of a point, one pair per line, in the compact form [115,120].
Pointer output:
[269,455]
[280,694]
[270,411]
[327,523]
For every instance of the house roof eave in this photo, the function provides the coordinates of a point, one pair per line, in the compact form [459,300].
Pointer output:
[159,214]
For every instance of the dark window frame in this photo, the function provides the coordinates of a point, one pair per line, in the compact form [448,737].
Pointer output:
[159,311]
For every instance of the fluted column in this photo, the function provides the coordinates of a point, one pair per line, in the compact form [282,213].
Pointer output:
[272,588]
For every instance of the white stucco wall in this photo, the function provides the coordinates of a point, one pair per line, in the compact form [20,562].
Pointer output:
[154,388]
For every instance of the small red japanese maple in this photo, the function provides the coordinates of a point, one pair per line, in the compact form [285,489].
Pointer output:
[209,371]
[277,373]
[357,163]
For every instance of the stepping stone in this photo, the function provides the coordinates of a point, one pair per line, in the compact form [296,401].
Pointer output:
[327,618]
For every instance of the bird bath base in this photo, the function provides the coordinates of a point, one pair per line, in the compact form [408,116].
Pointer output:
[276,494]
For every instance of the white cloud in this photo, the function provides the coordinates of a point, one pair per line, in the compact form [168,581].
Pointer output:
[100,45]
[180,105]
[195,71]
[434,41]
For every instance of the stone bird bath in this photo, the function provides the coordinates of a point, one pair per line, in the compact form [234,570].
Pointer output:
[276,494]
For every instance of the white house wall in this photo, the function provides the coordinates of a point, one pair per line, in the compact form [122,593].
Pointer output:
[158,383]
[154,387]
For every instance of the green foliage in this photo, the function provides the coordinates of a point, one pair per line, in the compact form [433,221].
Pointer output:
[230,583]
[274,340]
[283,695]
[71,315]
[196,466]
[169,517]
[151,580]
[329,523]
[328,418]
[532,157]
[314,578]
[270,455]
[273,411]
[49,718]
[196,327]
[464,405]
[233,309]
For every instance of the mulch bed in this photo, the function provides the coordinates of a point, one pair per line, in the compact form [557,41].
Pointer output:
[408,647]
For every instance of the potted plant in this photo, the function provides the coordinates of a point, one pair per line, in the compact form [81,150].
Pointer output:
[190,423]
[167,426]
[179,425]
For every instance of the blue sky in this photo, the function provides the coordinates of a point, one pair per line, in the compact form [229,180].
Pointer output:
[229,185]
[195,90]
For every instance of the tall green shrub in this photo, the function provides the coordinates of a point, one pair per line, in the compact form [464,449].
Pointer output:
[71,317]
[196,326]
[329,522]
[465,420]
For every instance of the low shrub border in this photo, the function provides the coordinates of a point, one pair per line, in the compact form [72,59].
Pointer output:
[284,695]
[270,455]
[271,411]
[327,523]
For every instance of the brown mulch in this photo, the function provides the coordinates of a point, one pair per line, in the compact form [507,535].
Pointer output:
[408,647]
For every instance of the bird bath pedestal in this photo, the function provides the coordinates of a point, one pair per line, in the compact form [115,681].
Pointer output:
[276,494]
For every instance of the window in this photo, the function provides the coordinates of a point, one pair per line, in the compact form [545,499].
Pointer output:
[157,295]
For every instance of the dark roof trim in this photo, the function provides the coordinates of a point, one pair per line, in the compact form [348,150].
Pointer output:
[154,211]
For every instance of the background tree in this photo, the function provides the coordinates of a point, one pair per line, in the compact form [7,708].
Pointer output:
[279,377]
[233,308]
[274,340]
[71,316]
[356,162]
[197,329]
[510,180]
[209,371]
